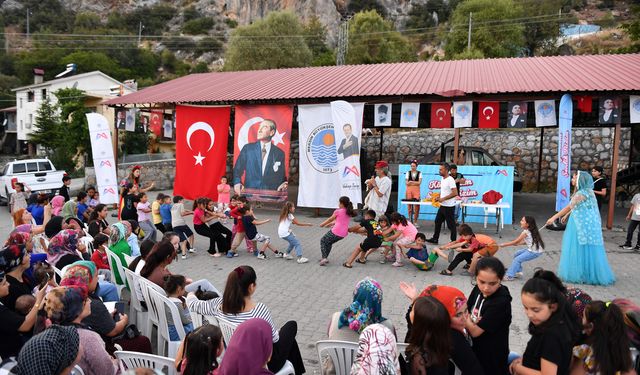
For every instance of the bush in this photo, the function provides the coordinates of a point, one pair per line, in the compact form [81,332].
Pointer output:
[198,26]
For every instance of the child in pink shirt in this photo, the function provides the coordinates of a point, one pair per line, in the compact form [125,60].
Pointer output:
[224,194]
[405,234]
[340,220]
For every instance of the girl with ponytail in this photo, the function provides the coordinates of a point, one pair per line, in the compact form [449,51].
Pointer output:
[340,220]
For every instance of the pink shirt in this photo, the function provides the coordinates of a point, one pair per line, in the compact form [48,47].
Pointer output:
[224,196]
[341,226]
[409,231]
[142,216]
[198,216]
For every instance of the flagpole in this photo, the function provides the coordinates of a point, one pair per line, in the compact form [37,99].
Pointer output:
[614,172]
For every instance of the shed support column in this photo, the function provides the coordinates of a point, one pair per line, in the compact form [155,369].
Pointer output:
[540,158]
[614,173]
[456,145]
[381,143]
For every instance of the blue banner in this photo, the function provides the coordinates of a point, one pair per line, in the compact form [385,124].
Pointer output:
[478,180]
[563,187]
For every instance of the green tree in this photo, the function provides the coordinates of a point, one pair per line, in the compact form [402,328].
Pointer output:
[274,42]
[8,97]
[88,61]
[198,26]
[543,29]
[356,6]
[47,127]
[633,29]
[71,104]
[493,34]
[373,40]
[315,35]
[87,21]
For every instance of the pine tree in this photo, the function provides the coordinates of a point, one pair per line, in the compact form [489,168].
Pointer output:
[47,128]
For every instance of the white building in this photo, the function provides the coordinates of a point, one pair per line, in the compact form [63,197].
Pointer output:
[96,85]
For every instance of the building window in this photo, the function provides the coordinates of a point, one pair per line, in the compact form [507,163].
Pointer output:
[21,125]
[44,94]
[21,102]
[30,122]
[31,96]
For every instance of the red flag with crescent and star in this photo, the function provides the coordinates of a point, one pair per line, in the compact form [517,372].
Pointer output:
[155,122]
[441,115]
[202,134]
[489,115]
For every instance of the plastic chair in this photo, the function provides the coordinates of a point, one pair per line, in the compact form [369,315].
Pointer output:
[114,263]
[77,370]
[137,314]
[58,272]
[163,304]
[492,211]
[199,319]
[341,353]
[128,259]
[152,311]
[133,360]
[227,329]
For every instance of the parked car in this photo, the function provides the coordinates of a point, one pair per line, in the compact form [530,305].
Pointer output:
[473,156]
[39,175]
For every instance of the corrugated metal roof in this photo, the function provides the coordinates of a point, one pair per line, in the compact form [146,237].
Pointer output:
[445,78]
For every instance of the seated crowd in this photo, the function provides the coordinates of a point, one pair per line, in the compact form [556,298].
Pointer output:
[56,289]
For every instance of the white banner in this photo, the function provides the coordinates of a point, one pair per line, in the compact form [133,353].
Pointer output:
[348,120]
[462,114]
[634,109]
[545,113]
[319,181]
[103,160]
[382,114]
[409,115]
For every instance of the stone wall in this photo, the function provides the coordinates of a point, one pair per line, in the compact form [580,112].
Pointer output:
[590,146]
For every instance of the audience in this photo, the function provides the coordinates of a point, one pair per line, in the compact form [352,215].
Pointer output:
[52,352]
[119,246]
[249,349]
[377,352]
[199,351]
[155,266]
[430,341]
[16,261]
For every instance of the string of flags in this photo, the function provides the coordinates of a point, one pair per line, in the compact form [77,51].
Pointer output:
[460,113]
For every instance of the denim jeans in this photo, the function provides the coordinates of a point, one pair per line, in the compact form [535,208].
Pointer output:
[294,243]
[107,291]
[173,333]
[521,256]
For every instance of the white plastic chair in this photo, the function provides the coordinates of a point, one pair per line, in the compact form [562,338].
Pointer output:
[115,264]
[342,354]
[77,370]
[227,329]
[492,211]
[152,310]
[133,360]
[58,272]
[287,369]
[128,259]
[198,319]
[137,314]
[162,303]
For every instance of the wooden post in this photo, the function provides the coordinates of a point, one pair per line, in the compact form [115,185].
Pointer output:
[456,145]
[381,142]
[540,158]
[614,173]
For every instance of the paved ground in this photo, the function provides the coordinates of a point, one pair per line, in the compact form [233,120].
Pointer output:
[309,294]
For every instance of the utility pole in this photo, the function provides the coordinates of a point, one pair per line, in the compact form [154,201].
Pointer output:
[343,41]
[28,11]
[469,34]
[140,27]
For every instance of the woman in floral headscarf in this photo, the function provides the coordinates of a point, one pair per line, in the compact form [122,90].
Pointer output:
[583,259]
[118,244]
[64,248]
[455,302]
[365,309]
[377,352]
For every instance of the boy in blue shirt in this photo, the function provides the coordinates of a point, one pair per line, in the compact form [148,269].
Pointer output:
[165,213]
[418,253]
[83,213]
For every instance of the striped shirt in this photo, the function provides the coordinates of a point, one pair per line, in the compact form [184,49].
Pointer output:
[214,307]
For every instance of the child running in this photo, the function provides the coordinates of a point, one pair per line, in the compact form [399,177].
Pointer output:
[237,231]
[144,218]
[165,213]
[174,287]
[467,246]
[340,220]
[530,237]
[180,226]
[418,253]
[284,232]
[250,222]
[368,226]
[405,234]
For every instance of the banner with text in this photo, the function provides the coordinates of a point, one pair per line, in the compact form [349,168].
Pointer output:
[478,180]
[563,186]
[348,120]
[319,181]
[103,160]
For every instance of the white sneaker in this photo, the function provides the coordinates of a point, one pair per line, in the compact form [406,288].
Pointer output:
[397,264]
[288,256]
[184,257]
[279,255]
[262,256]
[519,274]
[217,255]
[302,260]
[192,250]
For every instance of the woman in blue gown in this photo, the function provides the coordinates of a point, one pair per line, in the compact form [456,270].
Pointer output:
[583,259]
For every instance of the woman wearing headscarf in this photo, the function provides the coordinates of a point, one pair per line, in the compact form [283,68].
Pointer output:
[249,349]
[108,325]
[365,309]
[70,209]
[13,324]
[22,238]
[54,351]
[461,354]
[118,244]
[64,248]
[583,259]
[377,352]
[57,203]
[68,306]
[133,229]
[15,261]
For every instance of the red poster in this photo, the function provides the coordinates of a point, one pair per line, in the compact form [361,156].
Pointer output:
[489,115]
[202,134]
[441,115]
[261,151]
[155,123]
[585,103]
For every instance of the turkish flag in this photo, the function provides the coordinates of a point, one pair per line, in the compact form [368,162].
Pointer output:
[201,150]
[585,103]
[155,122]
[489,115]
[441,115]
